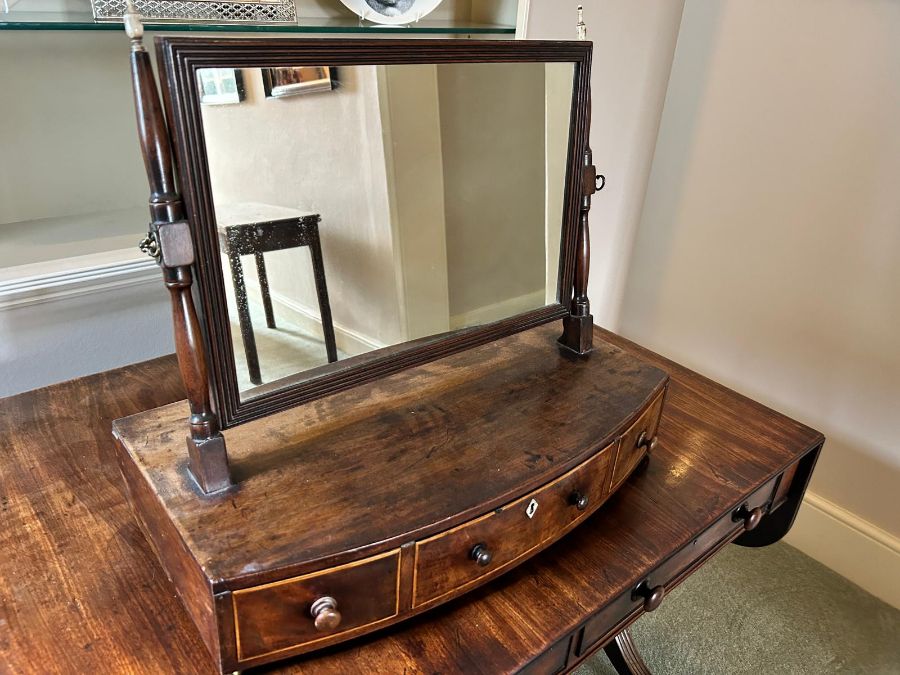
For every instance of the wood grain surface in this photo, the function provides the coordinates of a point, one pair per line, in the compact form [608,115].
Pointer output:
[81,589]
[400,458]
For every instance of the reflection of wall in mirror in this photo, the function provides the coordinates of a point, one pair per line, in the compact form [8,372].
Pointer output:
[492,133]
[478,152]
[439,189]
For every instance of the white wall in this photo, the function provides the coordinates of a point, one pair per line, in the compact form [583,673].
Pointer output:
[634,41]
[768,255]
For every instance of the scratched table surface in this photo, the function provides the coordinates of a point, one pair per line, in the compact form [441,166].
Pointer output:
[81,590]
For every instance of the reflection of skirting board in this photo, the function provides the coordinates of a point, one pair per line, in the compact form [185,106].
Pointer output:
[67,318]
[498,310]
[854,548]
[58,279]
[347,340]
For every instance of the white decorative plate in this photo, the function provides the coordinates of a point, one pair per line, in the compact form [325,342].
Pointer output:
[392,12]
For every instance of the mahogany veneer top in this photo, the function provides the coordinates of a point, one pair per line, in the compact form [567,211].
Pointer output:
[416,452]
[83,592]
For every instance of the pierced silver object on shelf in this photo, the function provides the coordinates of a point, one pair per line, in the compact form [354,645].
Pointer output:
[200,11]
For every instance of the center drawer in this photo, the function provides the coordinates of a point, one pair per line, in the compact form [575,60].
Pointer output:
[450,561]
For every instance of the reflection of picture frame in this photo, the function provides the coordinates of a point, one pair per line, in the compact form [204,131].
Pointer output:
[220,86]
[278,82]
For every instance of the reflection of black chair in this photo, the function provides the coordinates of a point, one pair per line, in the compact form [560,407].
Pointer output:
[273,235]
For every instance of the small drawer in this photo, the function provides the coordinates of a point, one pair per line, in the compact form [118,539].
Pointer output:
[277,616]
[450,561]
[636,441]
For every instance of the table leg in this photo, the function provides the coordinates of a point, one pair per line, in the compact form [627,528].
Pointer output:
[315,251]
[247,336]
[264,287]
[624,655]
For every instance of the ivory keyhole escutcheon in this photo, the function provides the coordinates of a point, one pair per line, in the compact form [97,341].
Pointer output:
[531,509]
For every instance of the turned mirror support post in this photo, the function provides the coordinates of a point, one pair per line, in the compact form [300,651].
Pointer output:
[578,326]
[169,241]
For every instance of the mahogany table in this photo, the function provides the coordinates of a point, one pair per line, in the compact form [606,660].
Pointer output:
[82,592]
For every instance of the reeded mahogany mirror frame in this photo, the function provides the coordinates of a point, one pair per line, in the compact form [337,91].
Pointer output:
[183,239]
[180,59]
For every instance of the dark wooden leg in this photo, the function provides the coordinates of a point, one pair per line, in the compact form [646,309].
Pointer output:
[264,287]
[240,294]
[624,656]
[315,251]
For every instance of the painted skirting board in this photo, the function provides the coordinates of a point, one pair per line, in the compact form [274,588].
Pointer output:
[347,340]
[854,548]
[36,283]
[67,318]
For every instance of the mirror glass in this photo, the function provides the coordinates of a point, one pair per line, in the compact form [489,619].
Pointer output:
[362,207]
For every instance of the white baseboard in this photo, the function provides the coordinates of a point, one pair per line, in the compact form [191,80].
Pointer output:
[347,340]
[854,548]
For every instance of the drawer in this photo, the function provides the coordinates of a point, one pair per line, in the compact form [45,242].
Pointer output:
[636,440]
[277,616]
[446,563]
[676,567]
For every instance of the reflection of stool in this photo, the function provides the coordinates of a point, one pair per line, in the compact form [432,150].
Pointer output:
[273,235]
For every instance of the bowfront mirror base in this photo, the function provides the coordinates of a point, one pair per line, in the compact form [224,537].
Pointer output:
[383,501]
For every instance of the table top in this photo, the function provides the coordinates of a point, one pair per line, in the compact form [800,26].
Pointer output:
[251,213]
[82,591]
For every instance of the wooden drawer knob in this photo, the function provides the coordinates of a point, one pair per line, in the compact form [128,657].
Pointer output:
[481,554]
[644,441]
[579,500]
[653,597]
[751,517]
[325,614]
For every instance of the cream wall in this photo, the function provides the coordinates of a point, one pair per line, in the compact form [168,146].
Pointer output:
[768,254]
[634,41]
[63,154]
[492,137]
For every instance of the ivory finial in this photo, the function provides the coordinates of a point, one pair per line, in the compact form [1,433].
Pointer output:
[134,29]
[582,27]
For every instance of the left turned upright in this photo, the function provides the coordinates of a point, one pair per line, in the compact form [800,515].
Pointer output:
[169,241]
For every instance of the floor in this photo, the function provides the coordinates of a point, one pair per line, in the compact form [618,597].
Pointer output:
[283,351]
[771,610]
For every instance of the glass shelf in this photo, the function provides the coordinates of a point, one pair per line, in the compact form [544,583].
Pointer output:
[84,21]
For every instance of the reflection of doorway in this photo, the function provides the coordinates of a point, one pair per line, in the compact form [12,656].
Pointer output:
[475,177]
[411,128]
[557,119]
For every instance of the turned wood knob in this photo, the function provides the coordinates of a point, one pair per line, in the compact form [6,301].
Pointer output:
[579,500]
[644,441]
[481,554]
[653,597]
[751,517]
[325,614]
